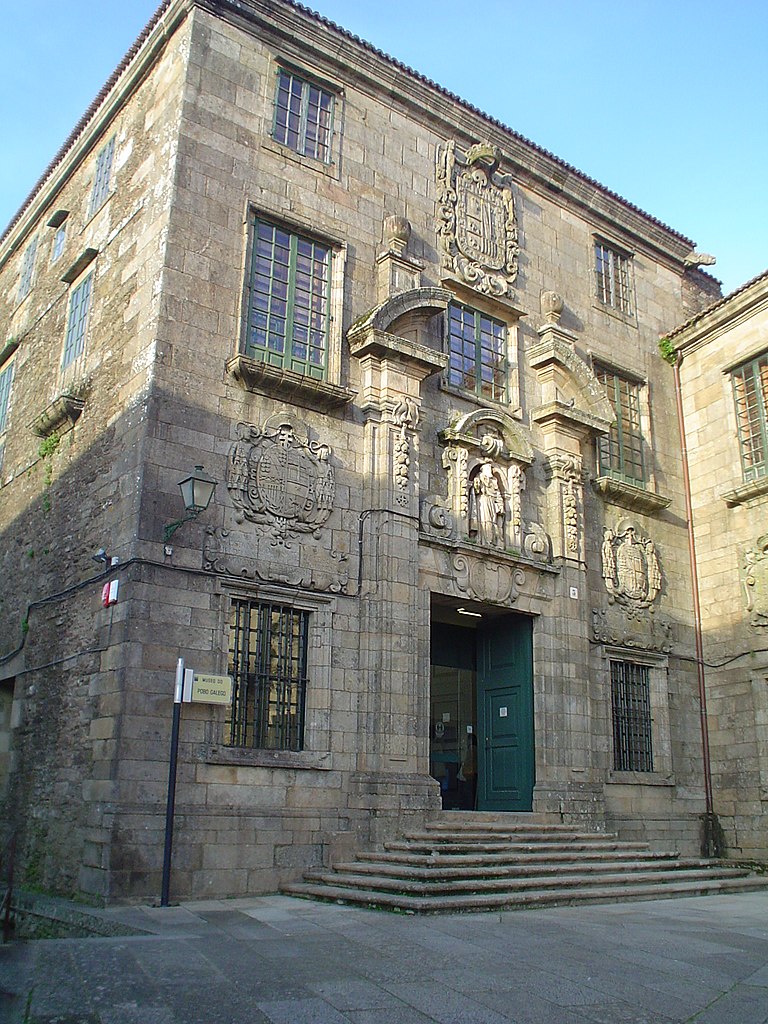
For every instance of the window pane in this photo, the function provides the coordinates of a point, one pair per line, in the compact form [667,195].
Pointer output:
[303,116]
[79,305]
[613,279]
[477,353]
[631,710]
[621,452]
[6,379]
[750,392]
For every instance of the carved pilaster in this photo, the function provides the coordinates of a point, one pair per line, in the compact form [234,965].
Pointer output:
[566,505]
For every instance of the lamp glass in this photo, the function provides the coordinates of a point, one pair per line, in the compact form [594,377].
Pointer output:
[197,491]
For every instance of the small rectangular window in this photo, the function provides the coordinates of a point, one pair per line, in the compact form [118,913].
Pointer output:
[631,712]
[27,269]
[750,393]
[621,452]
[58,243]
[614,278]
[289,300]
[100,190]
[6,382]
[268,662]
[79,307]
[477,353]
[303,116]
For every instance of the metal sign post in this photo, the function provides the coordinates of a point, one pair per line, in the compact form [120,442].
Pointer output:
[169,809]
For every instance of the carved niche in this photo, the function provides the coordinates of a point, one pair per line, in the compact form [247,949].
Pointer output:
[756,581]
[279,479]
[485,457]
[478,226]
[630,568]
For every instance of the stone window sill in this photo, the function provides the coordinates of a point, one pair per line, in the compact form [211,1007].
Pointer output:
[745,492]
[640,779]
[253,375]
[331,169]
[60,416]
[245,757]
[630,496]
[626,318]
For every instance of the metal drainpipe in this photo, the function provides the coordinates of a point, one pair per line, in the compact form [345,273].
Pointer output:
[709,845]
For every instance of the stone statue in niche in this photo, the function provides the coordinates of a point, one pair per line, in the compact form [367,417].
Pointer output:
[756,581]
[486,507]
[279,479]
[630,567]
[478,226]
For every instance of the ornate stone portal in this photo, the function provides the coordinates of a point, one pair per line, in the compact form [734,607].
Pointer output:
[478,226]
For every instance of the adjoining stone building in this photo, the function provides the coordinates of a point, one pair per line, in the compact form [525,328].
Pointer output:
[446,562]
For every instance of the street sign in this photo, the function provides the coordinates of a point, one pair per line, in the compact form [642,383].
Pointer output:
[212,689]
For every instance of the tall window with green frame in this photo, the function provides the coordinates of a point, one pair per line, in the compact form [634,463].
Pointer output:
[303,116]
[620,454]
[289,300]
[750,392]
[477,350]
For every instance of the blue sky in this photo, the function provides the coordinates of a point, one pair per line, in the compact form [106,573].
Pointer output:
[662,101]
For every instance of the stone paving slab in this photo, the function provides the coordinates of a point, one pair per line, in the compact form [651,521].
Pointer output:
[278,960]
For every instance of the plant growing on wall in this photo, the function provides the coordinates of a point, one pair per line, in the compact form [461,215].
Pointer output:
[46,450]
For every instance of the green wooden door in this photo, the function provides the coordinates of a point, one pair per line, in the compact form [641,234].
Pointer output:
[505,715]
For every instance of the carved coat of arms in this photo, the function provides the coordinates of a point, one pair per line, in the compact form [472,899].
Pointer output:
[478,227]
[630,567]
[756,581]
[280,479]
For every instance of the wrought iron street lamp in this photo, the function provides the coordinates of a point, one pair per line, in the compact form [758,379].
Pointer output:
[196,491]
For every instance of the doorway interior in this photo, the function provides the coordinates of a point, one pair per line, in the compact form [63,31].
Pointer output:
[481,707]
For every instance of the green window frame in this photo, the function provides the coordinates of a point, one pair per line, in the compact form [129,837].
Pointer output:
[303,118]
[620,453]
[27,269]
[750,394]
[77,321]
[100,190]
[477,353]
[289,293]
[268,655]
[6,382]
[614,278]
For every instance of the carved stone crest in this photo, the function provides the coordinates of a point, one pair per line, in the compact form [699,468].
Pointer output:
[756,581]
[485,580]
[646,633]
[279,479]
[478,226]
[630,567]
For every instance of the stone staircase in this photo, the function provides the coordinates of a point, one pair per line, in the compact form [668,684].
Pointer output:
[471,862]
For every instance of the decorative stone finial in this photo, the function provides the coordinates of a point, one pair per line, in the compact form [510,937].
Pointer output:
[397,232]
[552,306]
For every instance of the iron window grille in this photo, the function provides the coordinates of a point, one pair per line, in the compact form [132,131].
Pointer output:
[750,392]
[477,353]
[100,190]
[27,269]
[79,306]
[289,300]
[6,380]
[631,712]
[303,116]
[620,453]
[268,662]
[614,279]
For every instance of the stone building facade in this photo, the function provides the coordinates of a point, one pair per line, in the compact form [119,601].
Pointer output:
[446,561]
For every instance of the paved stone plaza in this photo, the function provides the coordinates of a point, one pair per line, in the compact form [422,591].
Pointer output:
[286,961]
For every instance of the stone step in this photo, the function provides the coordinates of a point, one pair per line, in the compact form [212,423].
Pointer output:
[462,846]
[542,870]
[557,857]
[469,823]
[624,892]
[480,886]
[526,835]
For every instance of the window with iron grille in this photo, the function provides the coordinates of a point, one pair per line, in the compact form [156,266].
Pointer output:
[79,305]
[268,661]
[303,116]
[289,300]
[631,709]
[477,349]
[620,453]
[614,278]
[27,269]
[100,190]
[750,392]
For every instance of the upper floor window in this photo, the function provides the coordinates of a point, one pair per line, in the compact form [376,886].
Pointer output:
[621,452]
[613,271]
[750,392]
[477,350]
[268,662]
[631,715]
[27,269]
[6,380]
[303,116]
[100,190]
[79,307]
[58,243]
[288,300]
